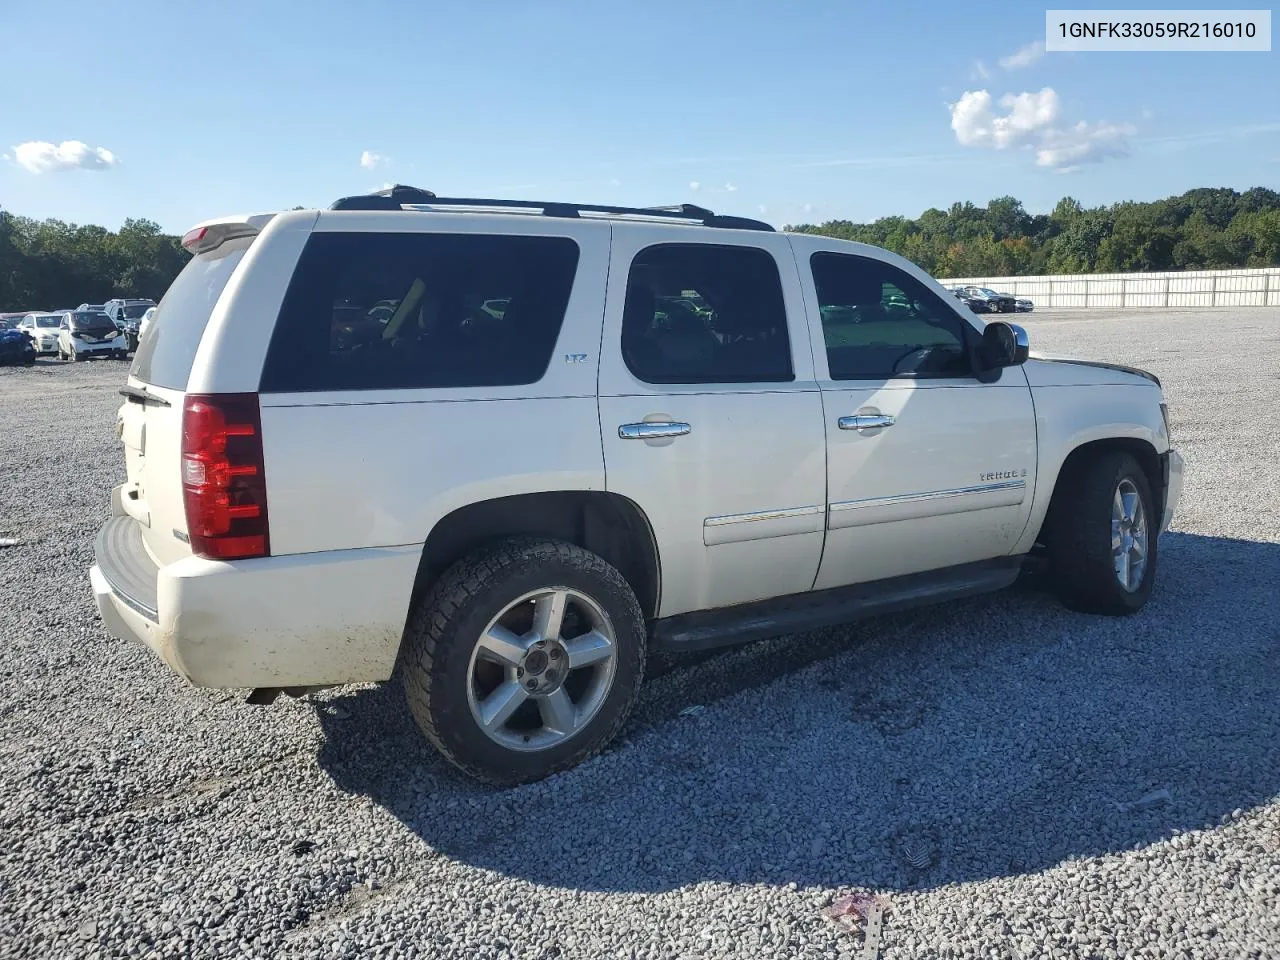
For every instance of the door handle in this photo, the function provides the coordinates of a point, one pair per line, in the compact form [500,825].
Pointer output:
[653,431]
[867,421]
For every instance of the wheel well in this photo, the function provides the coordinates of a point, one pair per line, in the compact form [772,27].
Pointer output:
[1140,450]
[607,524]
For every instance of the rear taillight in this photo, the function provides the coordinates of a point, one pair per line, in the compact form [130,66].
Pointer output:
[224,486]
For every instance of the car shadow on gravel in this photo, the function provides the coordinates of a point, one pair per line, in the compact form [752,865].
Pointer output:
[993,737]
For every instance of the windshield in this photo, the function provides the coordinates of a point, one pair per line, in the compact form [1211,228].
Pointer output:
[988,291]
[132,311]
[90,322]
[48,321]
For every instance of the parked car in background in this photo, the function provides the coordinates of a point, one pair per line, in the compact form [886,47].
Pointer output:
[43,330]
[85,333]
[996,302]
[977,305]
[11,318]
[92,307]
[121,310]
[127,316]
[143,324]
[16,347]
[1025,306]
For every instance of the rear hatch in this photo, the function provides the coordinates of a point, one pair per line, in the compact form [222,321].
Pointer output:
[150,421]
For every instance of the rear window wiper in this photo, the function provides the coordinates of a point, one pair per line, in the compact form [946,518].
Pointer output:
[136,395]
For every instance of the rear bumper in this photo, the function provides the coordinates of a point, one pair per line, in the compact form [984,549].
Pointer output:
[1173,467]
[306,620]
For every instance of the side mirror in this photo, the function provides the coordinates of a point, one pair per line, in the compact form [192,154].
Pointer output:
[1003,345]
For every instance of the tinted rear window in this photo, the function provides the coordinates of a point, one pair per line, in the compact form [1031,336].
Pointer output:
[375,311]
[168,348]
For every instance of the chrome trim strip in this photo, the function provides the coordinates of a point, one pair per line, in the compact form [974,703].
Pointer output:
[761,515]
[922,497]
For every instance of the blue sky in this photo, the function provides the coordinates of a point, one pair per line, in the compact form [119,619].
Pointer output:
[793,112]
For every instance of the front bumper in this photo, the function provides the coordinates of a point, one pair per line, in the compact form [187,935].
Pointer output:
[1173,467]
[302,620]
[104,348]
[46,346]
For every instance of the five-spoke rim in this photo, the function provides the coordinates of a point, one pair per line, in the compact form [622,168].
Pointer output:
[542,668]
[1128,535]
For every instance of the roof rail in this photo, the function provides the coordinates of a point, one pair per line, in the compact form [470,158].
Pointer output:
[396,197]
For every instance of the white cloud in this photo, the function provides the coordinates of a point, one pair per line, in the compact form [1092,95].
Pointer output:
[615,182]
[1031,120]
[730,188]
[979,71]
[808,208]
[1084,143]
[976,123]
[39,156]
[694,185]
[762,208]
[369,159]
[1023,56]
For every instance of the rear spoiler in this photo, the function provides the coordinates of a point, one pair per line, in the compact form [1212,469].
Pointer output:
[212,234]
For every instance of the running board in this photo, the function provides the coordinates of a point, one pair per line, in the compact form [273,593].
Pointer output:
[704,629]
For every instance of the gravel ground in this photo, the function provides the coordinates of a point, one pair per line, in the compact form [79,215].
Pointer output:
[977,763]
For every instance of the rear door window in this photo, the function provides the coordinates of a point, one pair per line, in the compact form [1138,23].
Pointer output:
[385,311]
[704,313]
[168,349]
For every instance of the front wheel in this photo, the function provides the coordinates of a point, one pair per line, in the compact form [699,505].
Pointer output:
[1103,530]
[523,659]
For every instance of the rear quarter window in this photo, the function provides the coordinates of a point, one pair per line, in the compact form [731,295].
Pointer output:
[168,348]
[375,311]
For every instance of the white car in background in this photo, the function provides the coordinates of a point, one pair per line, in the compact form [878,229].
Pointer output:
[42,328]
[145,322]
[85,334]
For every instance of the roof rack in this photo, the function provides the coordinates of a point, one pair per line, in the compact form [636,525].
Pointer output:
[398,196]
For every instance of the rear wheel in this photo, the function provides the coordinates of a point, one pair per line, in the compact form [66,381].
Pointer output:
[523,659]
[1103,530]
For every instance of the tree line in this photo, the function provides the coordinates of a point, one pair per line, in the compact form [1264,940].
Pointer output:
[49,264]
[46,264]
[1204,229]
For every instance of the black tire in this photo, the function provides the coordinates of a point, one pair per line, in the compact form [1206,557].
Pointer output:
[1082,568]
[446,623]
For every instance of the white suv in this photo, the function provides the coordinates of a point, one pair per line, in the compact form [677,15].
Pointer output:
[508,446]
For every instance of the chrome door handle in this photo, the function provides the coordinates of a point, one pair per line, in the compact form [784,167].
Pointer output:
[653,431]
[867,421]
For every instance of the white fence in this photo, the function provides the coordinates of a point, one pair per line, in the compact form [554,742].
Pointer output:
[1194,288]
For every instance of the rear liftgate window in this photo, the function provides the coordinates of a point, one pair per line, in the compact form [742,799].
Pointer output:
[385,311]
[168,349]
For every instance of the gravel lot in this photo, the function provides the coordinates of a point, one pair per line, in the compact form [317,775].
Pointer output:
[969,761]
